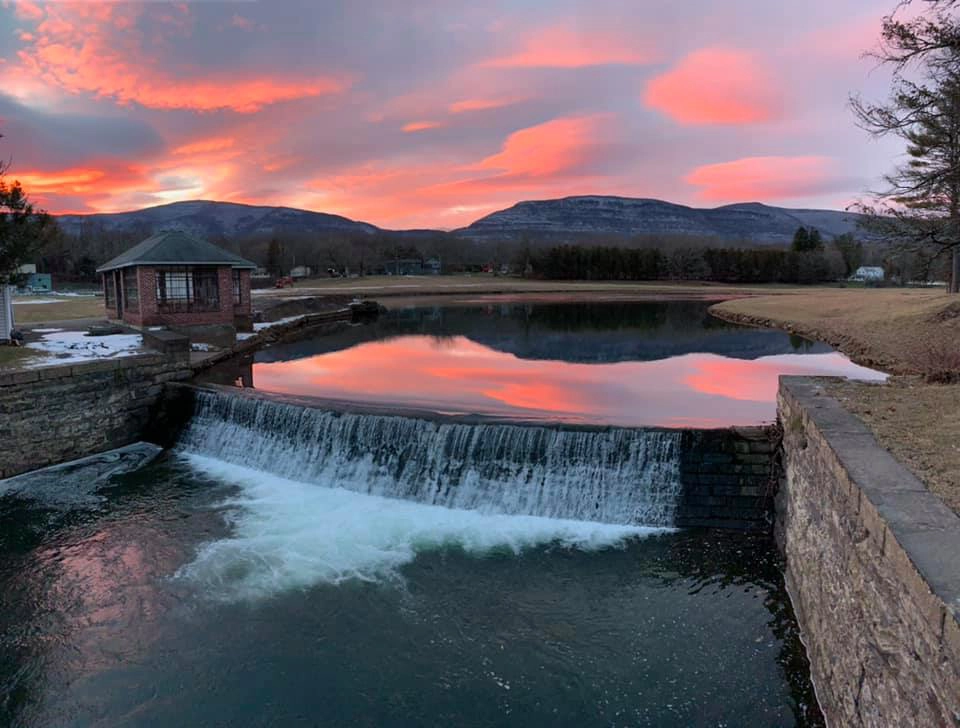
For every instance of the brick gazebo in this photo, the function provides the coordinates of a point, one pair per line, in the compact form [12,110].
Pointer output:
[176,280]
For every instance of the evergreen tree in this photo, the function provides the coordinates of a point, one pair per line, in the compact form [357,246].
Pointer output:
[23,229]
[851,252]
[801,240]
[275,257]
[815,240]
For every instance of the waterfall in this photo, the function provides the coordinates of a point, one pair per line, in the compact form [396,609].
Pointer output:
[611,475]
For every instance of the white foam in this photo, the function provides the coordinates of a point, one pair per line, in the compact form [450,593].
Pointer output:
[292,535]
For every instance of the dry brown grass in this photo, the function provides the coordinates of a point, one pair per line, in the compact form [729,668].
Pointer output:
[918,422]
[65,310]
[903,331]
[14,357]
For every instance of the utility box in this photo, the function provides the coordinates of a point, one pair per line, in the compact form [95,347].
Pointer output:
[6,312]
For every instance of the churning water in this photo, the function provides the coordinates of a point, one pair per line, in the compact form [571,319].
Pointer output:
[612,475]
[328,496]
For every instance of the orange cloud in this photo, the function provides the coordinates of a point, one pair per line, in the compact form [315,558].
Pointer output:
[562,47]
[415,126]
[549,148]
[75,48]
[77,179]
[466,105]
[214,144]
[93,186]
[715,86]
[763,178]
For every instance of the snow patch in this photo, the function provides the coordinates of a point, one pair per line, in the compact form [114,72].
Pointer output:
[279,322]
[76,346]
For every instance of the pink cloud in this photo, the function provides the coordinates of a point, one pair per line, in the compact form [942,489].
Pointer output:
[560,46]
[74,48]
[553,147]
[716,86]
[479,104]
[415,126]
[763,178]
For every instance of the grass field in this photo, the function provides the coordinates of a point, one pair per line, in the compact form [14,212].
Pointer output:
[902,331]
[79,307]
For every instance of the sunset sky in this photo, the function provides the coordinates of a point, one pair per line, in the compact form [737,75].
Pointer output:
[414,113]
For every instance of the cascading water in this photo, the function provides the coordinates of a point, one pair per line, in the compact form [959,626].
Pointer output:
[613,476]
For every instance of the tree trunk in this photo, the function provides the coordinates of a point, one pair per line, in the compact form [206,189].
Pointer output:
[955,271]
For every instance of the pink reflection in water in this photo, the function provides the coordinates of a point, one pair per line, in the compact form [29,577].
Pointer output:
[457,375]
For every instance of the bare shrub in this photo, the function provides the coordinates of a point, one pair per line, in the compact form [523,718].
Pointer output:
[940,361]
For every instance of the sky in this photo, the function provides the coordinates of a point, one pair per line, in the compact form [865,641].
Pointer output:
[433,113]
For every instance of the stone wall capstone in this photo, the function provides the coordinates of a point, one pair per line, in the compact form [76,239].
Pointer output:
[872,568]
[49,415]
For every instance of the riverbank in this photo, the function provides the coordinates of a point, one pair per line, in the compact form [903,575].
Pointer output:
[913,334]
[898,330]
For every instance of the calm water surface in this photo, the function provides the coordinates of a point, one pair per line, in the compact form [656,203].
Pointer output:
[628,364]
[193,594]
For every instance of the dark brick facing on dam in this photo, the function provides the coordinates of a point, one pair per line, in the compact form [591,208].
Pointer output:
[729,478]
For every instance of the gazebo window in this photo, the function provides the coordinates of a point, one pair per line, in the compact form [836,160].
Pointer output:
[237,288]
[187,289]
[131,292]
[109,290]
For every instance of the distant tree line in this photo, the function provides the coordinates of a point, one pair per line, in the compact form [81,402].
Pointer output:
[726,265]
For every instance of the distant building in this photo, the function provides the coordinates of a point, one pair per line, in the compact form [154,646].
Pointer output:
[39,282]
[407,267]
[174,279]
[301,271]
[868,273]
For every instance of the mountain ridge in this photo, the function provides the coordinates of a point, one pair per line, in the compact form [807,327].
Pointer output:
[562,220]
[629,216]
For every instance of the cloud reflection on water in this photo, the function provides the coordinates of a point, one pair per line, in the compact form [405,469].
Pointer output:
[457,375]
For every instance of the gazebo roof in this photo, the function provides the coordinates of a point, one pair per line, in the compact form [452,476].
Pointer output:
[174,247]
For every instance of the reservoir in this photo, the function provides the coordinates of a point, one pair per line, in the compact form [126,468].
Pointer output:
[282,566]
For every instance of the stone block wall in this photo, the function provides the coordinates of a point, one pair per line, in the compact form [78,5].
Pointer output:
[49,415]
[729,478]
[872,567]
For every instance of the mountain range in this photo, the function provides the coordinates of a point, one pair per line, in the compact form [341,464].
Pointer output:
[561,220]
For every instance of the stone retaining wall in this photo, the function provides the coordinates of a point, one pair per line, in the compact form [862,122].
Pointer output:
[49,415]
[872,567]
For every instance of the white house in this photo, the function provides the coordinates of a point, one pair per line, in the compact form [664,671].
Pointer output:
[868,273]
